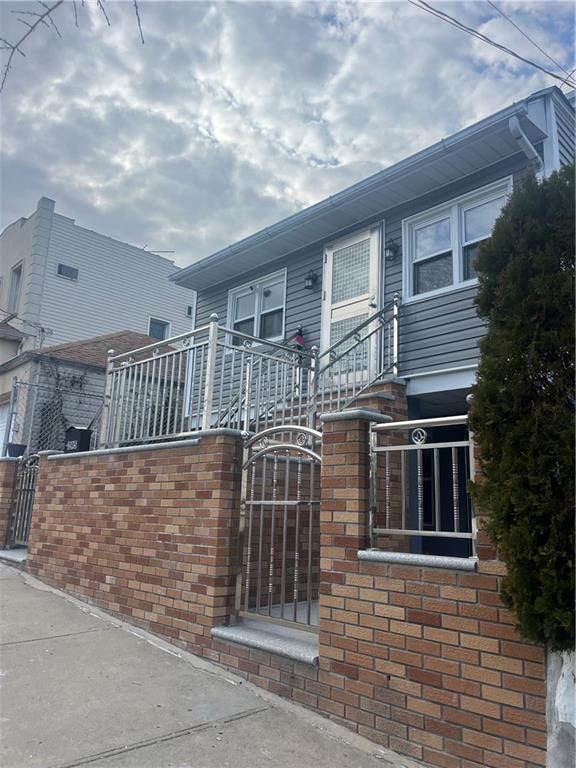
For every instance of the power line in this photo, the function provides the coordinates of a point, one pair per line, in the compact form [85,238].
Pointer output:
[459,25]
[501,12]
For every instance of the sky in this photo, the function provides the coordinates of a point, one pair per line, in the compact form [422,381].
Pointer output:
[232,116]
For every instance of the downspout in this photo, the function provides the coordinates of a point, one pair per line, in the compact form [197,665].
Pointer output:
[525,144]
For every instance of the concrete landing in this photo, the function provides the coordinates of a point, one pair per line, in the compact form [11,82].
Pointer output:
[81,688]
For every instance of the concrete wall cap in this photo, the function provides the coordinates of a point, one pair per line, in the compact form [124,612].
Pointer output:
[359,414]
[126,449]
[426,561]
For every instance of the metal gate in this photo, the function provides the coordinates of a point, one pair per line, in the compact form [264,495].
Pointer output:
[23,501]
[280,527]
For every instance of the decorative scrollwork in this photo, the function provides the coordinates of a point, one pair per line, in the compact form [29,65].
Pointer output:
[419,436]
[263,443]
[301,439]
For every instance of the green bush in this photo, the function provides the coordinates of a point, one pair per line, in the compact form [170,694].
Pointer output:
[522,413]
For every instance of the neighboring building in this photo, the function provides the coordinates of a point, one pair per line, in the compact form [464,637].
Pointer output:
[45,392]
[60,282]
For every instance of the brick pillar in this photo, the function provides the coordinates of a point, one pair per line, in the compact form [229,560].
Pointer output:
[344,529]
[8,469]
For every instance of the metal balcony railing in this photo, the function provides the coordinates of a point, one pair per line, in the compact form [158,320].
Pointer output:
[419,485]
[216,377]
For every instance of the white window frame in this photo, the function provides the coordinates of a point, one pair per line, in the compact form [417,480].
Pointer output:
[454,210]
[246,288]
[13,304]
[160,320]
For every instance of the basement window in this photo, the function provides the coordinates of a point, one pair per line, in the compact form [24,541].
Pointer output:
[70,273]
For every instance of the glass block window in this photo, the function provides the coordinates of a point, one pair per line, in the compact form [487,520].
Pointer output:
[351,271]
[257,309]
[442,246]
[357,357]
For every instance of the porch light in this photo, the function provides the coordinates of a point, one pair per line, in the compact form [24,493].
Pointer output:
[311,280]
[391,250]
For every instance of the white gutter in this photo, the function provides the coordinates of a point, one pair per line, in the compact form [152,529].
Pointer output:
[524,142]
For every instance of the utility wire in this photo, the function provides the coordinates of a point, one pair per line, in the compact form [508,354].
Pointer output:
[534,43]
[459,25]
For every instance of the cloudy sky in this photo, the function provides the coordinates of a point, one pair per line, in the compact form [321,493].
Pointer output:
[234,115]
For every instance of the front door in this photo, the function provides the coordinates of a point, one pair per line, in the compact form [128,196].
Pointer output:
[350,284]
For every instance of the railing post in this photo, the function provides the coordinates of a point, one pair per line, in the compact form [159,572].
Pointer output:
[11,414]
[313,387]
[247,396]
[395,339]
[210,372]
[106,413]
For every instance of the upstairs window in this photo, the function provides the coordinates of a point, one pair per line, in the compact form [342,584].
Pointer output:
[70,273]
[15,284]
[258,308]
[158,329]
[441,245]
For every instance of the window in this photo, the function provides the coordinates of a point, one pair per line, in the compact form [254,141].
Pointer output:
[158,329]
[257,308]
[190,310]
[15,282]
[63,270]
[441,246]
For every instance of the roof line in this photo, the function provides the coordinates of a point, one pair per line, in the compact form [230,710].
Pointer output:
[340,198]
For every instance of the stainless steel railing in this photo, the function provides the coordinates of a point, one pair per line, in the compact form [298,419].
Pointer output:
[358,360]
[210,377]
[215,377]
[419,476]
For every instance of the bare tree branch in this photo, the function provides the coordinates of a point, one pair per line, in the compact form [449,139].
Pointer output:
[138,19]
[75,13]
[16,47]
[50,19]
[101,6]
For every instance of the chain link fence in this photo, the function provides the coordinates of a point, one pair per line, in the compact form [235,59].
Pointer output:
[41,413]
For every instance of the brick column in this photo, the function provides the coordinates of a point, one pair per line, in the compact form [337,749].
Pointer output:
[8,469]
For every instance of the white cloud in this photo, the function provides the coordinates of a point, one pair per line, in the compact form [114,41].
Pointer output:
[232,116]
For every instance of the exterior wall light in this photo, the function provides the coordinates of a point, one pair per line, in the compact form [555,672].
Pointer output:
[311,280]
[391,251]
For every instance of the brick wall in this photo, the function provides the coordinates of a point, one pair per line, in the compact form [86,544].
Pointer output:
[8,469]
[423,660]
[150,535]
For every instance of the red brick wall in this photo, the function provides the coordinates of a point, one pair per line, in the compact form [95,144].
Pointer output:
[425,660]
[150,535]
[8,469]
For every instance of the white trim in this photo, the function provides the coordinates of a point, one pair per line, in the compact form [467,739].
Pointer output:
[453,210]
[351,307]
[160,320]
[554,139]
[13,269]
[238,289]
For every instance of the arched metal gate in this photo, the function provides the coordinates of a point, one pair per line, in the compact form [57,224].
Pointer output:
[280,527]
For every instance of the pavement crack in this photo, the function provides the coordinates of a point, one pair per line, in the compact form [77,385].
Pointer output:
[199,728]
[54,637]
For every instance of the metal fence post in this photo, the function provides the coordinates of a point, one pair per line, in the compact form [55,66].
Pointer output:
[11,414]
[210,371]
[105,426]
[395,341]
[313,387]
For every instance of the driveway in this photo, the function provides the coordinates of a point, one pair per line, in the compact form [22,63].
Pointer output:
[81,688]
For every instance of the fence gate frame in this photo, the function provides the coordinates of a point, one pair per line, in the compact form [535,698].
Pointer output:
[22,501]
[298,445]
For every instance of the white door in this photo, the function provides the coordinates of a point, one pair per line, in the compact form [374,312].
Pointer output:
[350,285]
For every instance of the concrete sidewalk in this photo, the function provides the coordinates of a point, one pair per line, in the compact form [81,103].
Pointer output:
[81,688]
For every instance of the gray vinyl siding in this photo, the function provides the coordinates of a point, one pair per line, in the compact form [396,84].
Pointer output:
[565,127]
[303,307]
[435,334]
[118,287]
